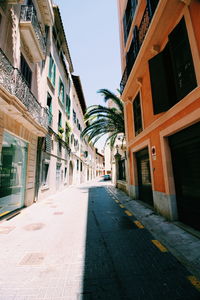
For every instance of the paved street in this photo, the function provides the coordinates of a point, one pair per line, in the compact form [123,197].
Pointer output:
[83,245]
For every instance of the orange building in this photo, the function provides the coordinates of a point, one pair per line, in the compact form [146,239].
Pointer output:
[160,53]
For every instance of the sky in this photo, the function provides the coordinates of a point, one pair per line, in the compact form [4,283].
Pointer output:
[92,32]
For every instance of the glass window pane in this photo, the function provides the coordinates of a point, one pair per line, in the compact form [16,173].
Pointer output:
[13,163]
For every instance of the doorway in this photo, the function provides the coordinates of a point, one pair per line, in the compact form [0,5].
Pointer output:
[144,176]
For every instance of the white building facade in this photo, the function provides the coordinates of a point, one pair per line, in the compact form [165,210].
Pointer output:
[41,150]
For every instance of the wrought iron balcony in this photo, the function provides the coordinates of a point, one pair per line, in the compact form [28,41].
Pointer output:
[32,33]
[138,38]
[12,80]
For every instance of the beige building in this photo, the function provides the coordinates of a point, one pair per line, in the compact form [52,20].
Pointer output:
[23,118]
[63,160]
[41,151]
[99,164]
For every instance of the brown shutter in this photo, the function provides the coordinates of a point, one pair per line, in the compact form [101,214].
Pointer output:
[159,83]
[183,68]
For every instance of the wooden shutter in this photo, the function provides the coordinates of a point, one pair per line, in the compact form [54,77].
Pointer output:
[48,143]
[182,62]
[137,115]
[159,83]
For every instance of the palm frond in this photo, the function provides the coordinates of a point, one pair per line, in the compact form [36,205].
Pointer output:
[108,95]
[102,120]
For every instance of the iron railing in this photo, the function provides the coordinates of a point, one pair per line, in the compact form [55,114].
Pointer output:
[12,80]
[28,13]
[139,35]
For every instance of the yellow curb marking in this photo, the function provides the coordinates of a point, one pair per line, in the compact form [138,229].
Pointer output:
[138,224]
[122,206]
[4,213]
[159,246]
[128,213]
[117,201]
[195,282]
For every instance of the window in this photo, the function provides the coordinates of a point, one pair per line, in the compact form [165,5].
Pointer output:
[77,164]
[59,120]
[13,172]
[49,107]
[182,63]
[137,114]
[76,144]
[68,106]
[65,174]
[45,170]
[128,17]
[172,71]
[81,166]
[52,71]
[26,71]
[61,91]
[74,116]
[72,138]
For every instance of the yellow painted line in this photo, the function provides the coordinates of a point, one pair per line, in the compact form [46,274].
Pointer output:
[117,201]
[122,206]
[159,246]
[195,282]
[139,224]
[4,213]
[128,213]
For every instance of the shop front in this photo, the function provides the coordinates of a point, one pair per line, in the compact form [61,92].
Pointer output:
[13,165]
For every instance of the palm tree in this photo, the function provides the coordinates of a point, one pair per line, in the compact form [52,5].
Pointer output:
[102,120]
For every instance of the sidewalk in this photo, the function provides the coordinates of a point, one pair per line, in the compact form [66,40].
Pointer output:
[42,249]
[183,245]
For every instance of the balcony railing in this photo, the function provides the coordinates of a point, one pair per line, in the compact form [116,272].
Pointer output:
[12,80]
[28,13]
[138,38]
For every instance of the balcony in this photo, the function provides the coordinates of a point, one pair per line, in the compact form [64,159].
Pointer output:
[31,33]
[139,35]
[13,82]
[46,9]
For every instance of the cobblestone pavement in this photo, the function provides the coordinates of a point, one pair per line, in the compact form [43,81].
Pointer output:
[81,244]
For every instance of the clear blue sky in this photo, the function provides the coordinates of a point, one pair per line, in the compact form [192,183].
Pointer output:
[92,32]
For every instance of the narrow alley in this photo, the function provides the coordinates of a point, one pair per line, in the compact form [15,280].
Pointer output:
[82,244]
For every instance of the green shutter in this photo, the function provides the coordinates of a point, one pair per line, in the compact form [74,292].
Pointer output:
[53,79]
[50,66]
